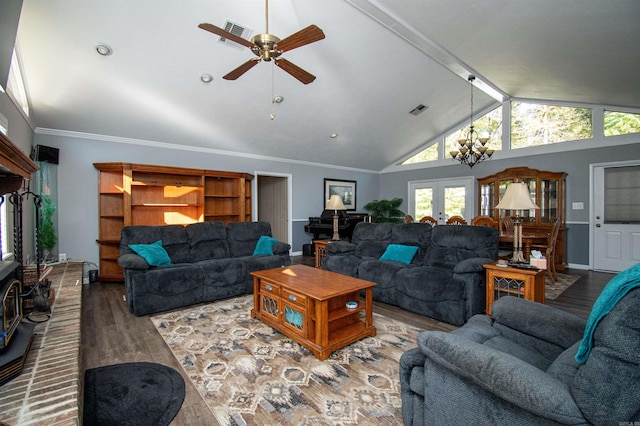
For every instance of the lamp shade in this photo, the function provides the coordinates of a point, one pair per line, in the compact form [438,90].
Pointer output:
[335,203]
[517,197]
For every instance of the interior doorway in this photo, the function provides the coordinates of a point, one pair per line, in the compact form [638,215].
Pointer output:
[273,203]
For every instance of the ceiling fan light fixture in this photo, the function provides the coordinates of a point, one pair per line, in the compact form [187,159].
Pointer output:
[104,49]
[278,99]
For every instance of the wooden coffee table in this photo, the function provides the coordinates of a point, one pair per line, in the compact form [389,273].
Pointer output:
[308,305]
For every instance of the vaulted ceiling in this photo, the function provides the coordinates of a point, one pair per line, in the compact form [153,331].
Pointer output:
[379,60]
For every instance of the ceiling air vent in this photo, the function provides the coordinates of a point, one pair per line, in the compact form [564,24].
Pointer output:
[235,29]
[418,110]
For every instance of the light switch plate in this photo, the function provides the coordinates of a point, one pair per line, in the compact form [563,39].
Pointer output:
[579,205]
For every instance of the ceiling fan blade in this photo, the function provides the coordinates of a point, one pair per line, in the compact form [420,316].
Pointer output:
[242,69]
[226,34]
[297,72]
[305,36]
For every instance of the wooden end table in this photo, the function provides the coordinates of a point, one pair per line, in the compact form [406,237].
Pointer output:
[308,305]
[320,247]
[510,281]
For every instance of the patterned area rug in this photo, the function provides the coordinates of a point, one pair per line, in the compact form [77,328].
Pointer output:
[552,291]
[249,374]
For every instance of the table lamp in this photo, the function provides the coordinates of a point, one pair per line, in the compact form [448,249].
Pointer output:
[517,198]
[335,203]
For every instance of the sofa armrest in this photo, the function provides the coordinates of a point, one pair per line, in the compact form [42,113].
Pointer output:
[132,261]
[538,320]
[340,248]
[473,265]
[501,375]
[280,248]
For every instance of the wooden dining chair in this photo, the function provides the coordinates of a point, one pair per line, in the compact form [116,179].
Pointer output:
[506,226]
[481,220]
[456,220]
[432,220]
[549,250]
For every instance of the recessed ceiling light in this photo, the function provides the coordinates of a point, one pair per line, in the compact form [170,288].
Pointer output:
[104,49]
[206,78]
[333,135]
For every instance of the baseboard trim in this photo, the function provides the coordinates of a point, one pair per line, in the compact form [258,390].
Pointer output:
[578,266]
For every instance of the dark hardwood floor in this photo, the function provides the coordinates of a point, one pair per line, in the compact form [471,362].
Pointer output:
[111,334]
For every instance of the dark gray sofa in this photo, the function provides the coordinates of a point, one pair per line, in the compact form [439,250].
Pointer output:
[209,261]
[445,279]
[519,367]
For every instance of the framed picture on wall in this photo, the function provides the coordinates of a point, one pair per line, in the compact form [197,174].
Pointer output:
[346,189]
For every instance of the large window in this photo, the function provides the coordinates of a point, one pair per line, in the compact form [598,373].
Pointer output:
[15,86]
[539,124]
[532,125]
[489,125]
[428,154]
[620,123]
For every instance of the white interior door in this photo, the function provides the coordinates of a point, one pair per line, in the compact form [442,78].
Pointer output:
[615,216]
[441,199]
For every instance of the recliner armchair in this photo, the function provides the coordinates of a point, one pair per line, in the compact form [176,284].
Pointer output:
[518,367]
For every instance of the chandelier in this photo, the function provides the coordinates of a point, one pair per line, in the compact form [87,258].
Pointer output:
[472,148]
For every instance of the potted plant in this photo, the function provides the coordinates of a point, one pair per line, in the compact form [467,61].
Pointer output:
[386,210]
[47,237]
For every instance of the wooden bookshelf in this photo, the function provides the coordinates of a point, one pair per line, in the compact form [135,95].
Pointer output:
[143,194]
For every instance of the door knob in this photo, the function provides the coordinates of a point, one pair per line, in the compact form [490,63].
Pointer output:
[597,225]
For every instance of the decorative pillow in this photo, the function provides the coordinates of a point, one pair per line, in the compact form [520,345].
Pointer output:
[265,245]
[153,253]
[399,253]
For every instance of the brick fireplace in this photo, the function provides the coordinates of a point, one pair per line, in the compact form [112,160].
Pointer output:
[49,389]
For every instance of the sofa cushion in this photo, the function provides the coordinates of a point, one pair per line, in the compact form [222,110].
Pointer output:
[222,272]
[371,249]
[264,246]
[451,244]
[607,385]
[243,236]
[154,254]
[175,242]
[399,253]
[345,265]
[413,234]
[207,240]
[565,367]
[429,284]
[384,274]
[367,231]
[167,287]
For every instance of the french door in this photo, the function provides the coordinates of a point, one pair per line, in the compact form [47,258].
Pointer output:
[441,198]
[615,216]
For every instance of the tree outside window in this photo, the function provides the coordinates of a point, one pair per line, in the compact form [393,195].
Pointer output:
[537,124]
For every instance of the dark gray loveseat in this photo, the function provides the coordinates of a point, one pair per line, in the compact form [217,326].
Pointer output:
[209,261]
[529,364]
[445,279]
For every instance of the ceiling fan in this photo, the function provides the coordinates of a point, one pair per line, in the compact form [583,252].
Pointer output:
[267,47]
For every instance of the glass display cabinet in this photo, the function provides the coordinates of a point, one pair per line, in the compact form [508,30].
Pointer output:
[547,190]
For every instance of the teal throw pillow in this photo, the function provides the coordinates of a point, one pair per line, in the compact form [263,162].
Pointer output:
[265,245]
[399,253]
[154,253]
